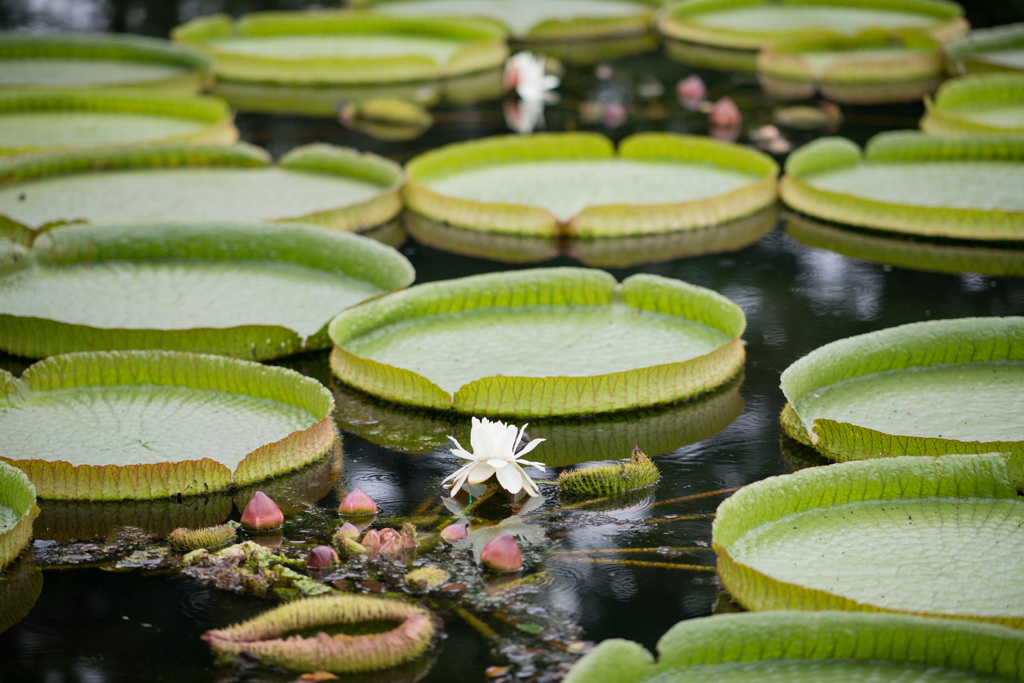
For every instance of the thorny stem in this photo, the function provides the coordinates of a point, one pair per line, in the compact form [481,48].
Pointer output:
[680,518]
[697,496]
[639,563]
[475,621]
[602,551]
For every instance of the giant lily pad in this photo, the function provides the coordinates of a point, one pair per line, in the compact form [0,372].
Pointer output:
[728,33]
[980,104]
[928,536]
[819,646]
[940,256]
[578,31]
[152,424]
[17,512]
[870,68]
[248,290]
[544,342]
[72,60]
[20,587]
[901,391]
[575,184]
[908,182]
[332,47]
[989,49]
[48,120]
[331,186]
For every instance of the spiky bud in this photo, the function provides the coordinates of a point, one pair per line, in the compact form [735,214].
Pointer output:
[608,480]
[184,540]
[321,556]
[261,513]
[502,554]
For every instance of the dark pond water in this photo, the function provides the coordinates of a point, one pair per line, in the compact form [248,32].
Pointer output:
[94,622]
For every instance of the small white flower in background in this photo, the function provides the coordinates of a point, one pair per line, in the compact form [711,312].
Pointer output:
[494,453]
[524,71]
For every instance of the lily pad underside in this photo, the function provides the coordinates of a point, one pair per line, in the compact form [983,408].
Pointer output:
[152,424]
[900,391]
[1000,48]
[870,68]
[983,104]
[52,120]
[908,182]
[334,187]
[536,343]
[17,512]
[70,60]
[547,21]
[917,254]
[574,184]
[332,47]
[253,291]
[812,646]
[753,24]
[927,536]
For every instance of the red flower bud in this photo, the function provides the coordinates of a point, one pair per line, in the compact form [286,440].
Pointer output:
[357,503]
[501,554]
[454,532]
[261,513]
[725,114]
[349,530]
[371,541]
[691,91]
[321,556]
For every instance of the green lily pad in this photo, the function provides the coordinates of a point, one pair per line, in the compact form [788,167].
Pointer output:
[543,342]
[613,252]
[873,67]
[253,291]
[568,441]
[51,120]
[753,24]
[574,184]
[153,424]
[20,587]
[908,182]
[940,256]
[1000,48]
[331,47]
[17,512]
[330,186]
[900,391]
[979,104]
[819,646]
[577,31]
[907,534]
[70,60]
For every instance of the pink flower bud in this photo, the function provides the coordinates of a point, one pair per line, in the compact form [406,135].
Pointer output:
[454,532]
[321,556]
[725,114]
[261,513]
[501,554]
[391,547]
[348,530]
[691,91]
[357,503]
[371,541]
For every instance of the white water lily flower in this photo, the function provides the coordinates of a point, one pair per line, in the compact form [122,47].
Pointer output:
[524,71]
[494,453]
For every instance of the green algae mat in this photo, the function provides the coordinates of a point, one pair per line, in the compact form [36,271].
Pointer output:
[927,536]
[153,424]
[331,186]
[543,342]
[17,512]
[911,183]
[812,646]
[980,104]
[575,184]
[331,47]
[70,60]
[51,120]
[249,290]
[901,391]
[873,67]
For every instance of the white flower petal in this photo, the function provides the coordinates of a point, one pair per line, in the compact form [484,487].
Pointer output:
[529,447]
[511,478]
[480,473]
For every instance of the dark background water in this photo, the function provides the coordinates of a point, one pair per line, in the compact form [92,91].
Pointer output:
[93,624]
